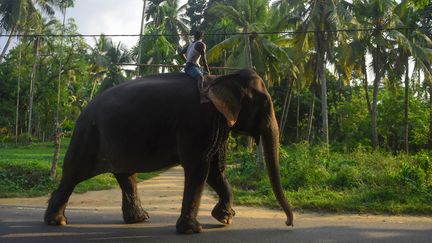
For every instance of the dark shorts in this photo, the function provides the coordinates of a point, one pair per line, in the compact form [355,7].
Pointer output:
[193,70]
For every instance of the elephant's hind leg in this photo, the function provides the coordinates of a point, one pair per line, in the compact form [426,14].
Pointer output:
[54,214]
[223,211]
[131,204]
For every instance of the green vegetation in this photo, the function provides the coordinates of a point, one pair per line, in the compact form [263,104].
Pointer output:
[357,181]
[24,172]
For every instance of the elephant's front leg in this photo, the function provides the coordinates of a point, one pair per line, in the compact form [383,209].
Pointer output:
[131,204]
[195,177]
[223,211]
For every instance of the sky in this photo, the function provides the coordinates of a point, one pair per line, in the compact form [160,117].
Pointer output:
[104,16]
[108,17]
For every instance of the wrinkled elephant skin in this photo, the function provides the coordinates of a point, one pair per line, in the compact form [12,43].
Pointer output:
[157,122]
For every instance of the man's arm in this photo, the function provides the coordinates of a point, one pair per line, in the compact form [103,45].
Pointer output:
[202,50]
[183,52]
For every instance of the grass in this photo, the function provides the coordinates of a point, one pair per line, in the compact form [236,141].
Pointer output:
[24,171]
[359,181]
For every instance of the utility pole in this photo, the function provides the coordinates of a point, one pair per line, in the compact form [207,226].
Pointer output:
[140,38]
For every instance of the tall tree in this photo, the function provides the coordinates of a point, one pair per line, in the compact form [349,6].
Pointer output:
[412,44]
[170,15]
[322,18]
[378,16]
[39,28]
[195,13]
[105,56]
[167,25]
[264,53]
[161,51]
[57,132]
[17,13]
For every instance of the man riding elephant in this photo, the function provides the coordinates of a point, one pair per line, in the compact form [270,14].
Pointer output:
[194,54]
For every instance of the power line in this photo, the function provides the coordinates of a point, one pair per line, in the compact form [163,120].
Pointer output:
[222,34]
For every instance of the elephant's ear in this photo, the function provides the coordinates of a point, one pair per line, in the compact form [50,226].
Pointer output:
[225,94]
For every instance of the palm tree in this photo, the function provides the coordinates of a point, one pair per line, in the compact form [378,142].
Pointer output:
[167,24]
[171,16]
[264,53]
[161,51]
[154,11]
[39,28]
[17,13]
[104,59]
[412,43]
[57,136]
[377,15]
[321,16]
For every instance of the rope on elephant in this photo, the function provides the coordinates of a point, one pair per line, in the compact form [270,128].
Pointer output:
[218,137]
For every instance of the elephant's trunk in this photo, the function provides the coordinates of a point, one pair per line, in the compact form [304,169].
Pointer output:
[270,141]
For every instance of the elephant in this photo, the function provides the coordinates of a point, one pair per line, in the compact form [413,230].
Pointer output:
[159,121]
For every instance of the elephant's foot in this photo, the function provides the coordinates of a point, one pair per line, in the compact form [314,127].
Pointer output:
[135,215]
[223,214]
[186,225]
[55,219]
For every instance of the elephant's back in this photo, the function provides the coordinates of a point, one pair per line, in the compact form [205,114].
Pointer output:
[150,94]
[167,87]
[150,101]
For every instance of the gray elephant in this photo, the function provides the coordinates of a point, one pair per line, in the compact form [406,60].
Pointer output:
[158,121]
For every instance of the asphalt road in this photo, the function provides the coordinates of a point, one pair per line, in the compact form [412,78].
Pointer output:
[96,217]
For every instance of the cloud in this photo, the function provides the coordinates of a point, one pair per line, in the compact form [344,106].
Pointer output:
[108,17]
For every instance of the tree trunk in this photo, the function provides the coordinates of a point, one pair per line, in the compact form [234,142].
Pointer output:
[406,108]
[141,39]
[57,136]
[248,48]
[32,80]
[430,115]
[298,110]
[18,96]
[5,48]
[285,109]
[374,114]
[323,83]
[310,117]
[366,85]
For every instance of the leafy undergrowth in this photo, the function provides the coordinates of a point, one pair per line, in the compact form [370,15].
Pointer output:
[24,172]
[360,181]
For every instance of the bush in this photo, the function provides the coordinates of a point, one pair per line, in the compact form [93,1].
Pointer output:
[409,179]
[30,177]
[348,176]
[362,181]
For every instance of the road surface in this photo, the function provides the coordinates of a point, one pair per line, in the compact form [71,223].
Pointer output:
[96,217]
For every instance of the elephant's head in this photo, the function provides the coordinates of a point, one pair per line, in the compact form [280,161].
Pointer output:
[247,106]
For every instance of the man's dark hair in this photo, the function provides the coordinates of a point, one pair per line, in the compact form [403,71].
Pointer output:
[198,34]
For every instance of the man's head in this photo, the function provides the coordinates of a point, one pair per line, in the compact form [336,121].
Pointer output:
[198,35]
